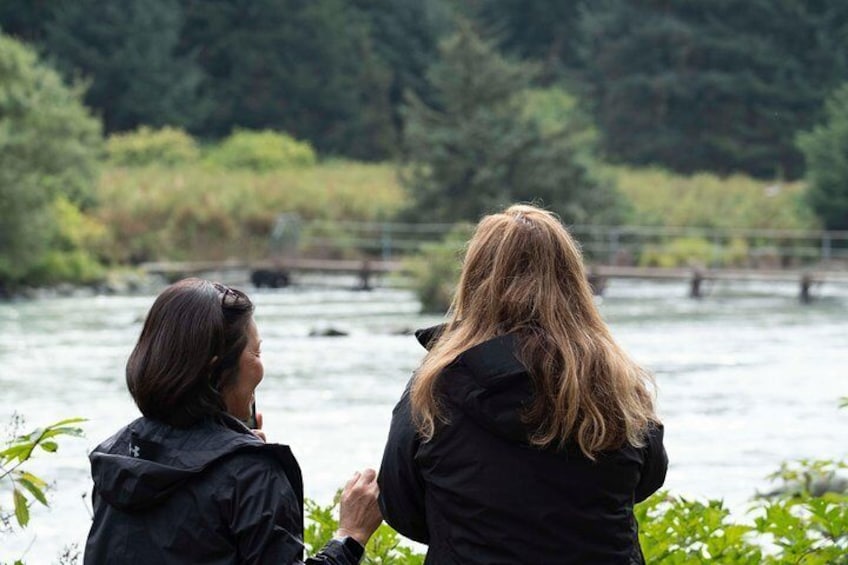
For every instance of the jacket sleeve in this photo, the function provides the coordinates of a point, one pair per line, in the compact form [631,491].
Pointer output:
[400,480]
[655,465]
[265,517]
[334,553]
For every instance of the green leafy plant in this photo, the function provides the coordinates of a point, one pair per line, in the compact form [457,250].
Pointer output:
[434,272]
[49,147]
[262,151]
[26,487]
[677,530]
[384,547]
[147,146]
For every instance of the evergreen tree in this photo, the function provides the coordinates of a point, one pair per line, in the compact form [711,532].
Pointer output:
[125,48]
[307,68]
[48,149]
[476,148]
[25,19]
[826,151]
[712,85]
[545,31]
[405,35]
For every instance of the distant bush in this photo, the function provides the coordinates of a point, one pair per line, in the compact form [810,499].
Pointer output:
[683,252]
[77,241]
[204,213]
[435,270]
[661,198]
[147,146]
[262,151]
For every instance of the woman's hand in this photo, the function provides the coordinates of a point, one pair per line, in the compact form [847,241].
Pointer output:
[258,431]
[359,513]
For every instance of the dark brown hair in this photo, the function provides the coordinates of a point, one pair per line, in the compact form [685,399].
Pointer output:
[188,351]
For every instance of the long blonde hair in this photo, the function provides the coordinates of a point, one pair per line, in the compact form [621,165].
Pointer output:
[523,274]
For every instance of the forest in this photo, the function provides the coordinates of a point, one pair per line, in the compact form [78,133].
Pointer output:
[459,106]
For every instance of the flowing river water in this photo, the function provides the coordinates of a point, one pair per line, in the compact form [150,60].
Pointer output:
[747,376]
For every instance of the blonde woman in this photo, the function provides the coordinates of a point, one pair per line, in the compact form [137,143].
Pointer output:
[527,434]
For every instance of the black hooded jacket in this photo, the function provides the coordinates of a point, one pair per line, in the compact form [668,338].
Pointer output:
[210,494]
[478,492]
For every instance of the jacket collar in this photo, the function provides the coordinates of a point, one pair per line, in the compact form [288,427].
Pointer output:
[488,384]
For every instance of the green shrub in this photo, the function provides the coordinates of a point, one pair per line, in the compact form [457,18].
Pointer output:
[49,146]
[75,267]
[794,527]
[262,151]
[147,146]
[383,548]
[662,198]
[230,213]
[17,483]
[677,530]
[76,241]
[682,252]
[435,270]
[696,252]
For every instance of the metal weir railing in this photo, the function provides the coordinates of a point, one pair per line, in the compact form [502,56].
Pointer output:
[604,245]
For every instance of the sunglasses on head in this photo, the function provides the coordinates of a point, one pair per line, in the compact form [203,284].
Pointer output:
[229,296]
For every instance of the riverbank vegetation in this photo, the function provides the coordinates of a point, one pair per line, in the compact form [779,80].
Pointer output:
[463,141]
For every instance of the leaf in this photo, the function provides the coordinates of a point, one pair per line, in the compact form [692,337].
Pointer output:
[21,508]
[49,446]
[68,421]
[34,490]
[37,481]
[18,451]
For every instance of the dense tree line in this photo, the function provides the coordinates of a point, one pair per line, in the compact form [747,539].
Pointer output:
[687,84]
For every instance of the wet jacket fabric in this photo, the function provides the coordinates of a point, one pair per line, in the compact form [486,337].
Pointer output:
[210,494]
[478,492]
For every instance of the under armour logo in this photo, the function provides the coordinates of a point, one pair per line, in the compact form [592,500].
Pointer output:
[134,450]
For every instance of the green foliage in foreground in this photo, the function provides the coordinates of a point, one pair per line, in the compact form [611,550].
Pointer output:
[26,488]
[384,547]
[793,527]
[803,521]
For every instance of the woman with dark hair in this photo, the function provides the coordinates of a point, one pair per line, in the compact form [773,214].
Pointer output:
[189,482]
[527,434]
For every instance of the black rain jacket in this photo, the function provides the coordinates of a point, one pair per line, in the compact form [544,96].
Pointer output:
[478,492]
[210,494]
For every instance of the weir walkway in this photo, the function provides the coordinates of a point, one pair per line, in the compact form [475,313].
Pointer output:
[692,255]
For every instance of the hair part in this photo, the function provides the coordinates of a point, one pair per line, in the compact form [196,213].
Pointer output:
[188,351]
[523,274]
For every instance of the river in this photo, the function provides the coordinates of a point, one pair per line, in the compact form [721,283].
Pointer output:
[747,378]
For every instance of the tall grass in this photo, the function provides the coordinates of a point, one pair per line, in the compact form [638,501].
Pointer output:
[660,198]
[197,212]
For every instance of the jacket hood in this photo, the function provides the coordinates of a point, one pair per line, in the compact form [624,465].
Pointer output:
[142,464]
[488,383]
